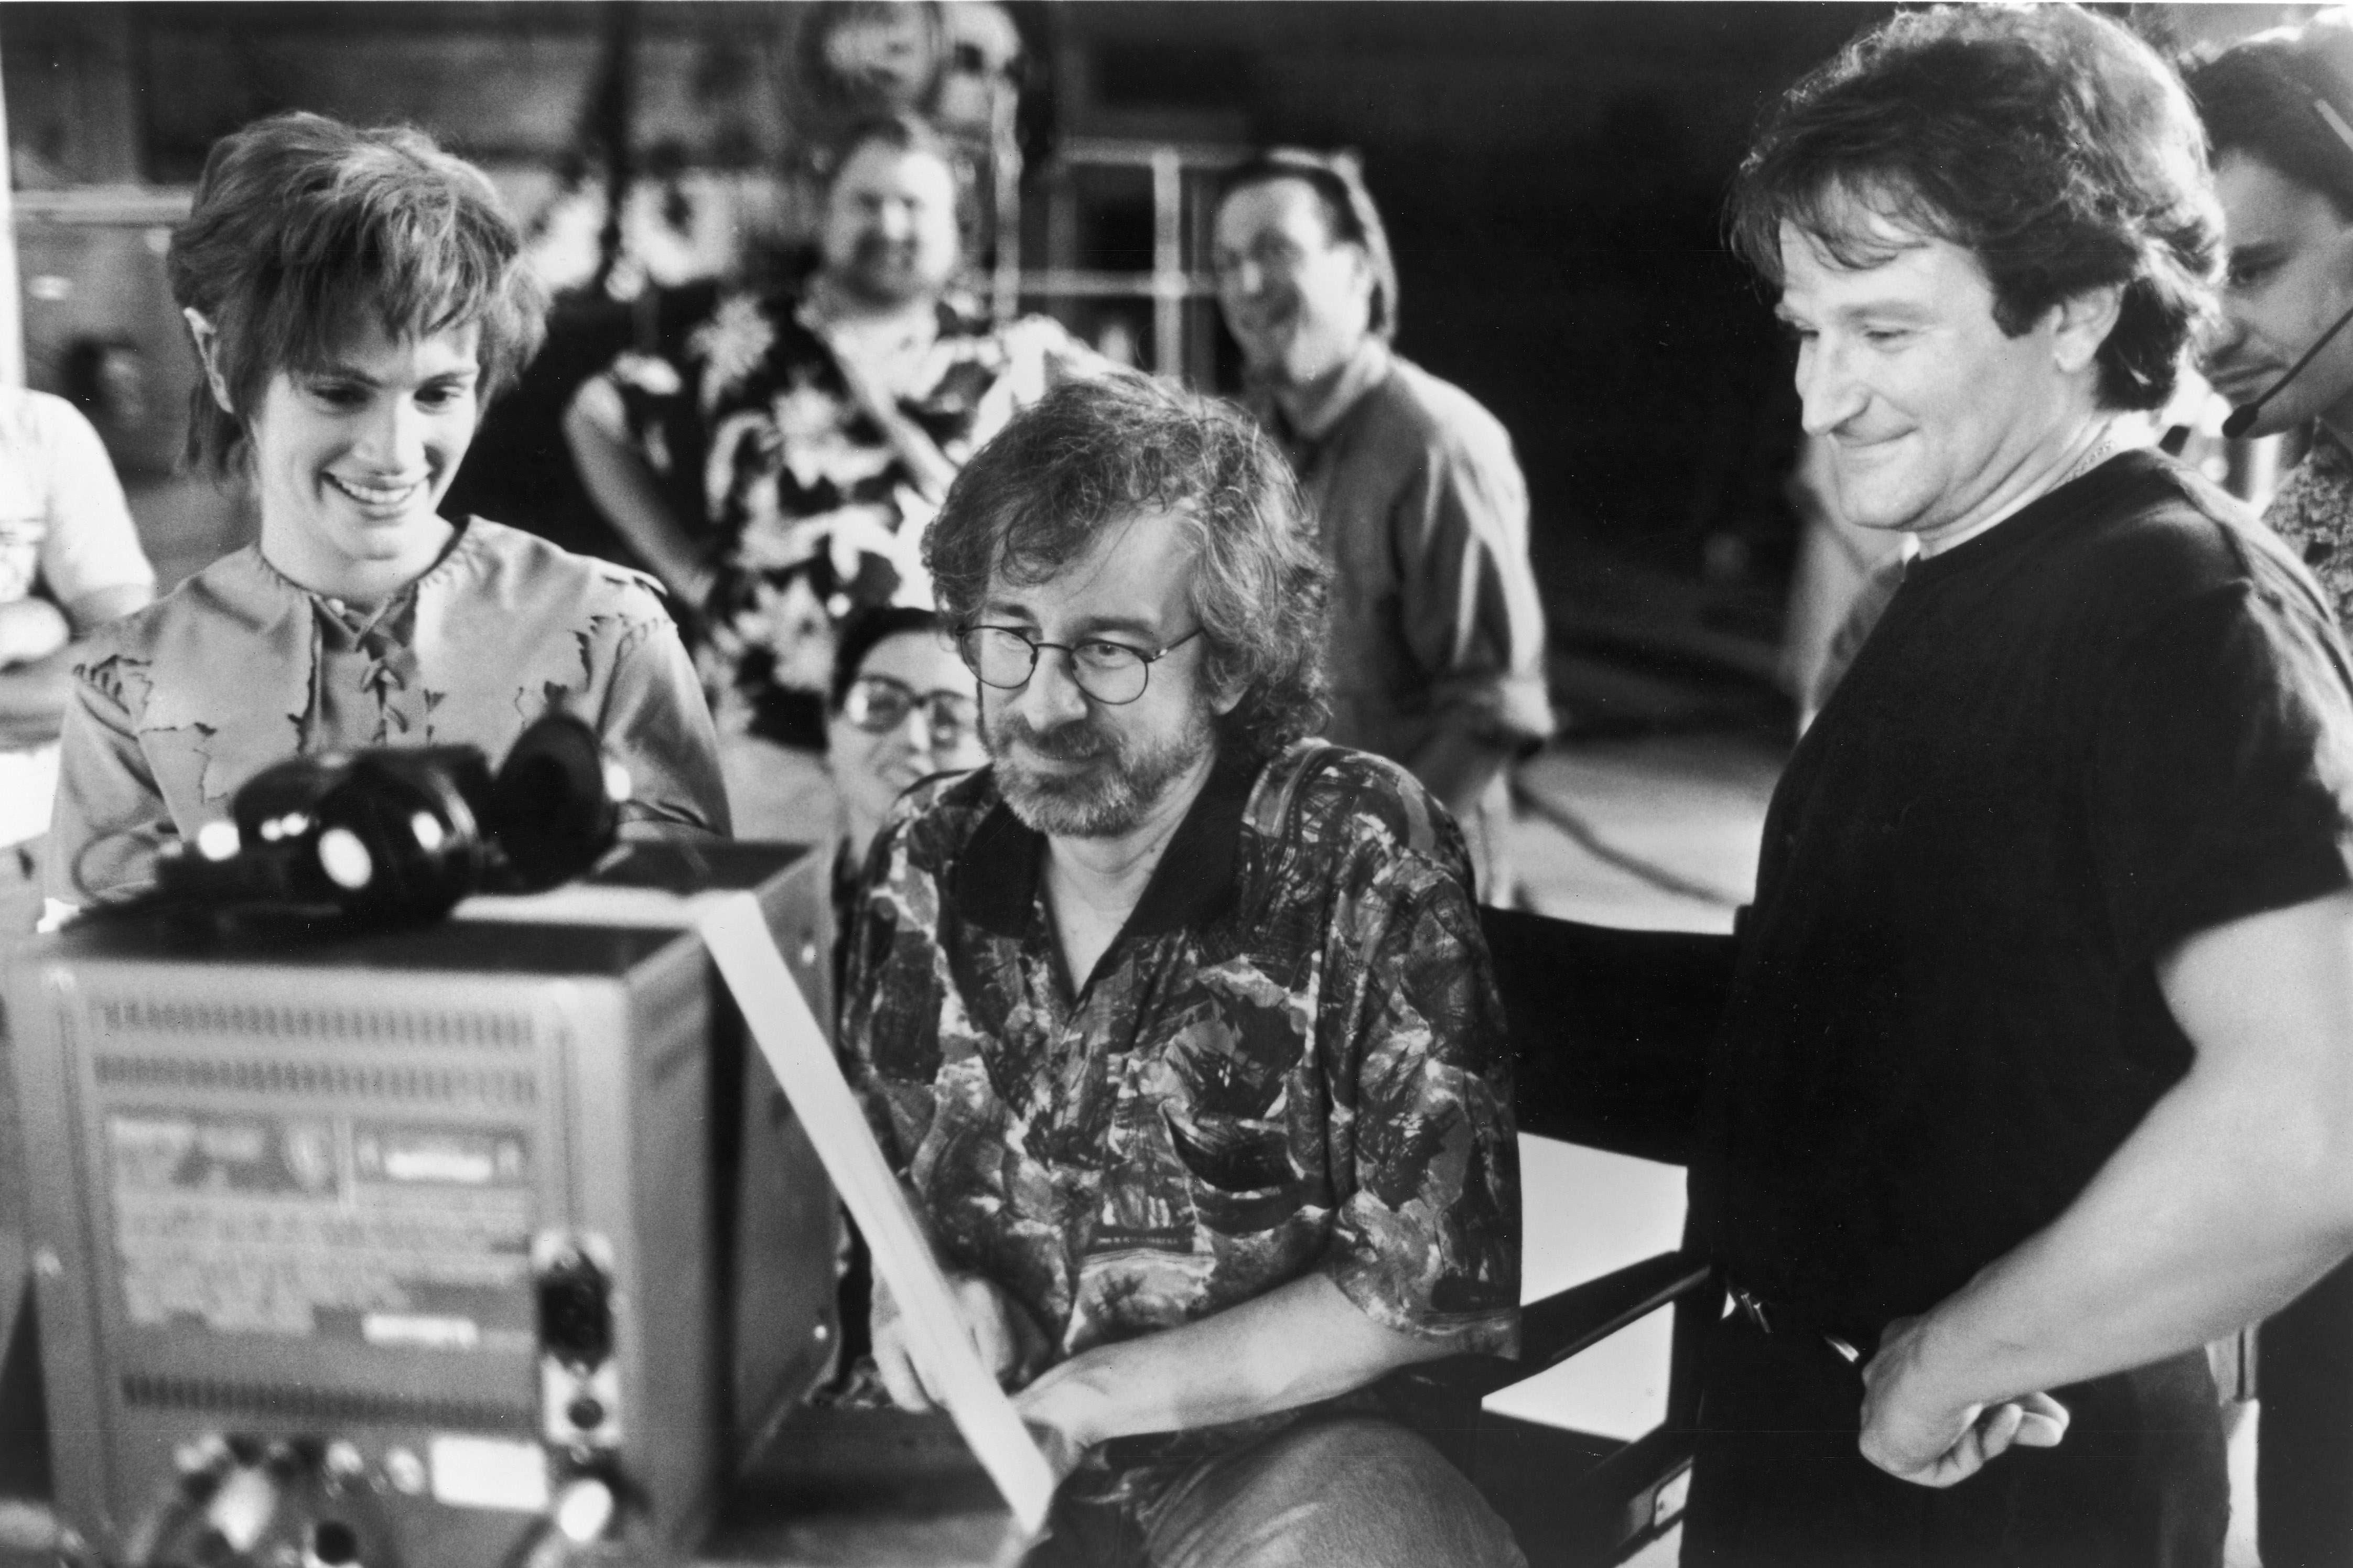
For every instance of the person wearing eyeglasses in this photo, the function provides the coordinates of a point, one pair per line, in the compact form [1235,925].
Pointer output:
[775,461]
[1436,646]
[901,707]
[1179,1027]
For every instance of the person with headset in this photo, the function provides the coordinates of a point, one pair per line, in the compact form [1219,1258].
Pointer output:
[355,299]
[2278,109]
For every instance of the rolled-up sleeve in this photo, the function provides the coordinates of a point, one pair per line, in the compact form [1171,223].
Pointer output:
[657,726]
[1472,614]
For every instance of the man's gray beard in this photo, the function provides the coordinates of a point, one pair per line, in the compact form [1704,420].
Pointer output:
[1105,800]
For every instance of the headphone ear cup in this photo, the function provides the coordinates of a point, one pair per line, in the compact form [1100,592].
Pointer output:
[399,845]
[291,788]
[549,809]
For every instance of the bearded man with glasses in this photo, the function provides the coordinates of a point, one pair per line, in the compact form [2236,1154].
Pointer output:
[1179,1027]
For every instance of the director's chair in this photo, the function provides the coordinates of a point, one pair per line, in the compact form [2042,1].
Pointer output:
[1609,1030]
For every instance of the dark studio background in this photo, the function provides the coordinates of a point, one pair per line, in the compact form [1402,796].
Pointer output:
[1552,176]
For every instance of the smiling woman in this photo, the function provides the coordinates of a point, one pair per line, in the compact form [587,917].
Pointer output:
[355,299]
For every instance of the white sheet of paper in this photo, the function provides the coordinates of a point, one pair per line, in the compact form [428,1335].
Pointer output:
[788,1036]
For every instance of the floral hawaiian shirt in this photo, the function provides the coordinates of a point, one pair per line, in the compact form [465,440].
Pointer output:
[810,510]
[2313,512]
[1290,1061]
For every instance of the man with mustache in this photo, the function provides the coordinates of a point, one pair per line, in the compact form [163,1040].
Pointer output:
[2036,1073]
[1437,641]
[1181,1029]
[775,464]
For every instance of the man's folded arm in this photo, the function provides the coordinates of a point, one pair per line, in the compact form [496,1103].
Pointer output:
[2234,1193]
[622,484]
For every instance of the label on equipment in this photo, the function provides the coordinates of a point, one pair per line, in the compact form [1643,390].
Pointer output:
[390,1233]
[488,1472]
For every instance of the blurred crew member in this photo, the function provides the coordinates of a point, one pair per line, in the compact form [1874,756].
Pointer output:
[1437,641]
[1182,1032]
[776,464]
[2038,1071]
[902,707]
[356,297]
[2276,108]
[70,563]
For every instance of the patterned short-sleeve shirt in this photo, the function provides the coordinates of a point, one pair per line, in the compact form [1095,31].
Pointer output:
[2313,512]
[809,509]
[1290,1061]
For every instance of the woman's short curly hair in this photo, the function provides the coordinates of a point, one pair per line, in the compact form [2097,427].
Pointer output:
[1094,453]
[2052,143]
[305,229]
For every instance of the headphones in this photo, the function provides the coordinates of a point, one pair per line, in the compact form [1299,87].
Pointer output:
[396,836]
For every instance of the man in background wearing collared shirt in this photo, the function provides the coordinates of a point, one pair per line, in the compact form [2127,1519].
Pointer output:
[1438,637]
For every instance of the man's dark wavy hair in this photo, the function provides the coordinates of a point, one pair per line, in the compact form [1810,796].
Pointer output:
[1092,454]
[2261,97]
[2053,144]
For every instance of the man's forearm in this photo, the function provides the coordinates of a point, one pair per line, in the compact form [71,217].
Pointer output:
[620,482]
[1456,765]
[2234,1192]
[2205,1220]
[1294,1345]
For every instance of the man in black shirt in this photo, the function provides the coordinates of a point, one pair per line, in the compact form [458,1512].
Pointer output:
[2038,1073]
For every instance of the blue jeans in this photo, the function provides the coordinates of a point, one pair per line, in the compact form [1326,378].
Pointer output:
[1339,1491]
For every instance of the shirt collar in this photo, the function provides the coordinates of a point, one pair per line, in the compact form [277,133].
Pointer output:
[993,882]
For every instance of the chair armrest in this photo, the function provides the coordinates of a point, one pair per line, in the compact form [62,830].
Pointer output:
[1559,1326]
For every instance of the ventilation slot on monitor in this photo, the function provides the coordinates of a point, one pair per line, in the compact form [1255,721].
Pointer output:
[355,1026]
[320,1406]
[506,1089]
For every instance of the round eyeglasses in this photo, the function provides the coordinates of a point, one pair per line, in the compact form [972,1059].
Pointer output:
[1110,672]
[877,705]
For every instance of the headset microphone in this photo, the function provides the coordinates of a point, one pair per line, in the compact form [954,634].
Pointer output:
[2242,418]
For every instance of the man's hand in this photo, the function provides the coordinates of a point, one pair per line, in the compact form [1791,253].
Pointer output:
[1064,1408]
[1009,1343]
[1915,1436]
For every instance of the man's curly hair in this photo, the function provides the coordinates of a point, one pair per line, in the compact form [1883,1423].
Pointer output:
[1094,454]
[2050,144]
